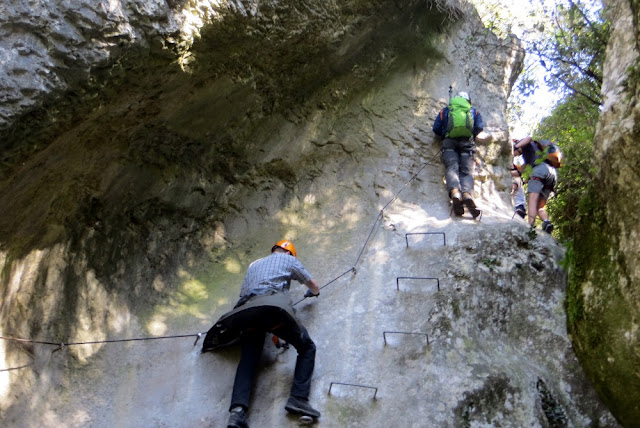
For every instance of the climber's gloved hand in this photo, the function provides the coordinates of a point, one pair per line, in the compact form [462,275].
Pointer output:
[310,294]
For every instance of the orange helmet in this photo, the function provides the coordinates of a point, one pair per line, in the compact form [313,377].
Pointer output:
[285,245]
[553,155]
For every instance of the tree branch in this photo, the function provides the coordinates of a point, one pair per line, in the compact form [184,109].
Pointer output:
[576,90]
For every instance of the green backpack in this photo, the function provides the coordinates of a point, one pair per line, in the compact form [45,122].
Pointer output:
[460,122]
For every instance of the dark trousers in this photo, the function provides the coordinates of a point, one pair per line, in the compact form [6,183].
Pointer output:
[458,159]
[252,343]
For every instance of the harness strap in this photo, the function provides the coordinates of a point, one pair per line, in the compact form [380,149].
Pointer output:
[471,152]
[540,180]
[277,326]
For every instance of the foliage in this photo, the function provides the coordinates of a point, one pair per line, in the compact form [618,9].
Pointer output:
[497,17]
[571,48]
[565,41]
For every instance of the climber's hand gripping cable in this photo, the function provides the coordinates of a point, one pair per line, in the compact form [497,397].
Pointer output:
[310,294]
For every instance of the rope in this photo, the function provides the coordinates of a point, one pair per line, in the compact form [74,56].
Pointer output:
[333,280]
[16,368]
[395,197]
[380,215]
[61,345]
[410,180]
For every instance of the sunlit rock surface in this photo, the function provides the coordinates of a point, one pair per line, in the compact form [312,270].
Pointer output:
[133,208]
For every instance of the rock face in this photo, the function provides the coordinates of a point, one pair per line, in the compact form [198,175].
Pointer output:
[51,47]
[604,304]
[135,200]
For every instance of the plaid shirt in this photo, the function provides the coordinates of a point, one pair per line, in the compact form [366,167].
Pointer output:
[273,272]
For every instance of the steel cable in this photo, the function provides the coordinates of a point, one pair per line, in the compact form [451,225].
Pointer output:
[61,345]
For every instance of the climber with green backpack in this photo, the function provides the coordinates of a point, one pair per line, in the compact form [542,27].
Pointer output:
[458,124]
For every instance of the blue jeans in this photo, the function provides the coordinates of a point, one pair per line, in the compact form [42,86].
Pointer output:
[458,158]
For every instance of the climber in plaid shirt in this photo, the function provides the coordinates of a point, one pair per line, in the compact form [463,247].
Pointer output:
[269,276]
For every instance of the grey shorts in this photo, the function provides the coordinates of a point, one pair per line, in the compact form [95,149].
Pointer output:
[542,180]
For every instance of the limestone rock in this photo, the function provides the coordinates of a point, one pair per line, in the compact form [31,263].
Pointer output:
[133,208]
[604,305]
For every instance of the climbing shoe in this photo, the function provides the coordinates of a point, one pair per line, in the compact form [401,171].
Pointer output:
[301,406]
[467,201]
[238,418]
[547,226]
[458,209]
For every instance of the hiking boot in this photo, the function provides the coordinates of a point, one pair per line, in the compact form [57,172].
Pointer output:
[458,209]
[301,406]
[521,211]
[547,226]
[467,201]
[238,418]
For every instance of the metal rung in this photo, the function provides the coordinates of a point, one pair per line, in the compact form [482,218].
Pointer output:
[444,238]
[384,335]
[414,277]
[357,386]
